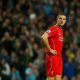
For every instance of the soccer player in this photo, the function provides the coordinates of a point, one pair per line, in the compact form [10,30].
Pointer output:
[53,38]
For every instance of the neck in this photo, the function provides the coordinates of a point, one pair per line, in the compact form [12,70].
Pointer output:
[58,25]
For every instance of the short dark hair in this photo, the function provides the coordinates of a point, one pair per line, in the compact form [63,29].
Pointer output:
[60,14]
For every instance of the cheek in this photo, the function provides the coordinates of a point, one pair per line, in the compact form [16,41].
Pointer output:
[64,22]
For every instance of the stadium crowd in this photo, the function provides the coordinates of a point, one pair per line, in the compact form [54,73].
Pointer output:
[22,52]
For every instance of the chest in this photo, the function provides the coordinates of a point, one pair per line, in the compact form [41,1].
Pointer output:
[59,35]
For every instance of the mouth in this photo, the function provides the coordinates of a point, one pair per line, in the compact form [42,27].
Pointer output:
[61,23]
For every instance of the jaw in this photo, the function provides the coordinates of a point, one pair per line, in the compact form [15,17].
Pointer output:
[61,24]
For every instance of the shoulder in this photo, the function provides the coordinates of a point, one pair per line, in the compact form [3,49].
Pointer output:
[52,27]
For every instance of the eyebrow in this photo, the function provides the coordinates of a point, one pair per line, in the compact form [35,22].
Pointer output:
[61,18]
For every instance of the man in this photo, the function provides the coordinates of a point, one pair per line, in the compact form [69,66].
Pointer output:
[53,38]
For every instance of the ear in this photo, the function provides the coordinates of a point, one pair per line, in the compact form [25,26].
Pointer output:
[57,17]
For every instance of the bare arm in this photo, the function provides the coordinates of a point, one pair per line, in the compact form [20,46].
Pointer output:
[45,40]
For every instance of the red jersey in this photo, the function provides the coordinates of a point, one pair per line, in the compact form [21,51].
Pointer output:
[55,39]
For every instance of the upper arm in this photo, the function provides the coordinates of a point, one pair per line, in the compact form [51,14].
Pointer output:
[45,35]
[51,32]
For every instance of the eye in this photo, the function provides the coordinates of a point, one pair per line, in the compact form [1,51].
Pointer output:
[60,18]
[64,19]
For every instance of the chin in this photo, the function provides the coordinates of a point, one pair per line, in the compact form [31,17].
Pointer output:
[61,24]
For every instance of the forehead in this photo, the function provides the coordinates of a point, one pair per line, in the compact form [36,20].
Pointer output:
[62,16]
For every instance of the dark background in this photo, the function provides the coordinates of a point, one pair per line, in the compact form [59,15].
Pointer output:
[22,22]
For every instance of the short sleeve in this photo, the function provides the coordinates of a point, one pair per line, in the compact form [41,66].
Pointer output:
[51,32]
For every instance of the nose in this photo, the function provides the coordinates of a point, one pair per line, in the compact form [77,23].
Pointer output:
[61,20]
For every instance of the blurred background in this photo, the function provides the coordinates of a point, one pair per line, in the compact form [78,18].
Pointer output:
[22,52]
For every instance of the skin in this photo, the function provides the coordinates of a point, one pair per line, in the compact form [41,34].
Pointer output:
[61,20]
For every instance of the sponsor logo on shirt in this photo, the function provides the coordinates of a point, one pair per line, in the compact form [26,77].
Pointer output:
[52,72]
[59,33]
[60,38]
